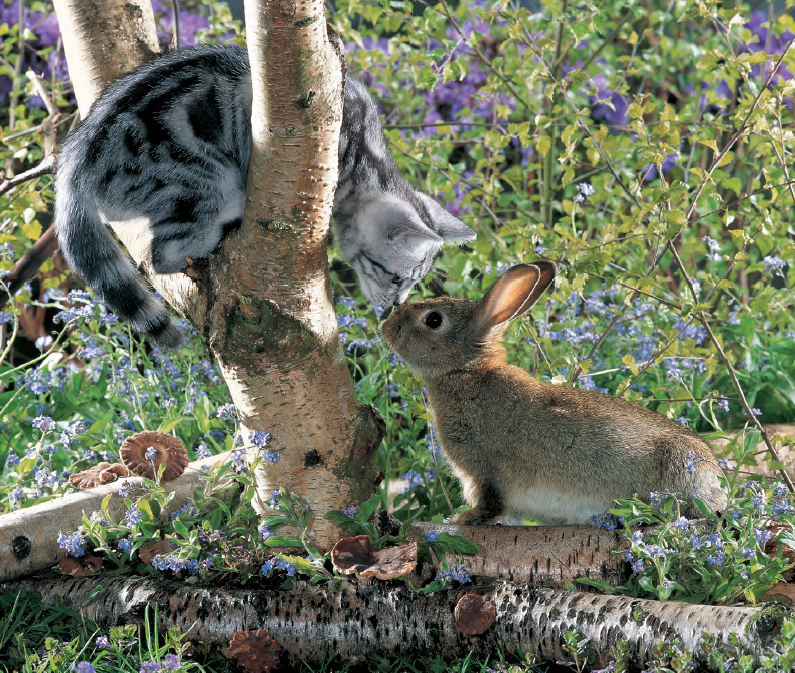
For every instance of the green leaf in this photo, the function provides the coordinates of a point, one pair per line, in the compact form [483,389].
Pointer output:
[284,541]
[705,510]
[368,507]
[459,543]
[543,145]
[604,587]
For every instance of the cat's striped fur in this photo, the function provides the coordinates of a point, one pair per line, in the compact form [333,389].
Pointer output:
[170,142]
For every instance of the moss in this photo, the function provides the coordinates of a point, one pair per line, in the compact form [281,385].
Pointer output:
[638,615]
[767,620]
[256,325]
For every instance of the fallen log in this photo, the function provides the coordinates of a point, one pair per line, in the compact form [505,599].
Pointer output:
[28,537]
[352,621]
[543,556]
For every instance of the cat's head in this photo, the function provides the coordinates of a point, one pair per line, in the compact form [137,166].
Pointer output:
[391,243]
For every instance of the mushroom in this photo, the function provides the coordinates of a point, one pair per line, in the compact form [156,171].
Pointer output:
[150,551]
[168,449]
[101,473]
[473,615]
[356,556]
[256,651]
[80,567]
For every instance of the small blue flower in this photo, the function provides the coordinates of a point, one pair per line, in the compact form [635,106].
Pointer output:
[149,667]
[265,531]
[82,667]
[762,536]
[74,543]
[638,566]
[171,662]
[748,553]
[125,544]
[723,406]
[681,523]
[690,458]
[227,411]
[674,374]
[203,451]
[774,265]
[432,536]
[133,515]
[350,511]
[44,423]
[150,454]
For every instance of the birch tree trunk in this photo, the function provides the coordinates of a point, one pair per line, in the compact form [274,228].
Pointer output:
[263,299]
[351,621]
[104,39]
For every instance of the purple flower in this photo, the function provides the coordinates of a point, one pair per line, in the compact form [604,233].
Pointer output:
[149,667]
[774,265]
[348,511]
[73,543]
[44,423]
[133,515]
[82,667]
[103,641]
[227,411]
[203,451]
[690,458]
[171,662]
[150,454]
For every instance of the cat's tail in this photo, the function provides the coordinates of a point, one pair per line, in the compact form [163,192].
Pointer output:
[94,254]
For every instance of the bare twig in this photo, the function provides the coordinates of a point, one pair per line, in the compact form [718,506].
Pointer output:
[743,402]
[46,166]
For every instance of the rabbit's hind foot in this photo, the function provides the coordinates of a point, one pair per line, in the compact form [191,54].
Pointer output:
[489,505]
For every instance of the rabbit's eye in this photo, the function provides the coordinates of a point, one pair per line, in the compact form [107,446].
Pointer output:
[433,320]
[397,280]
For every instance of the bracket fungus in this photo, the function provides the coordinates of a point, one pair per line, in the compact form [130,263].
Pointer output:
[101,473]
[256,651]
[167,449]
[474,615]
[80,567]
[357,556]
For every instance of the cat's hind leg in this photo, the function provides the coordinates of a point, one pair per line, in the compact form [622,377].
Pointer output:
[182,234]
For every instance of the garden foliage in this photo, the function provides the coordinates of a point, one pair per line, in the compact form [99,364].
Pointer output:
[647,148]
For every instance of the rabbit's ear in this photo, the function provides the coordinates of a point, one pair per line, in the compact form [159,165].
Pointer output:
[515,292]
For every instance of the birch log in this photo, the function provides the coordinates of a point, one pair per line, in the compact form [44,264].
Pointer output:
[351,621]
[28,537]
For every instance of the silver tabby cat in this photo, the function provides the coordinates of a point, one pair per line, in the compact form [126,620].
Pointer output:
[170,142]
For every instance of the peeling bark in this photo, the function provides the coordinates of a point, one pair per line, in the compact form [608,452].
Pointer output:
[271,322]
[28,537]
[542,556]
[353,621]
[103,39]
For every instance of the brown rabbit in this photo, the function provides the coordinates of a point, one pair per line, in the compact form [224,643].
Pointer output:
[522,448]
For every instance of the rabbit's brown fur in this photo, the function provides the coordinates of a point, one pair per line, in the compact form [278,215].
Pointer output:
[523,448]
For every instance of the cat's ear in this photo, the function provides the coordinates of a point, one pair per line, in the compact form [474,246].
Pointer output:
[449,227]
[393,219]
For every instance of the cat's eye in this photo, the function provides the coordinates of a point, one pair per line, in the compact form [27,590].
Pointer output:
[397,280]
[433,320]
